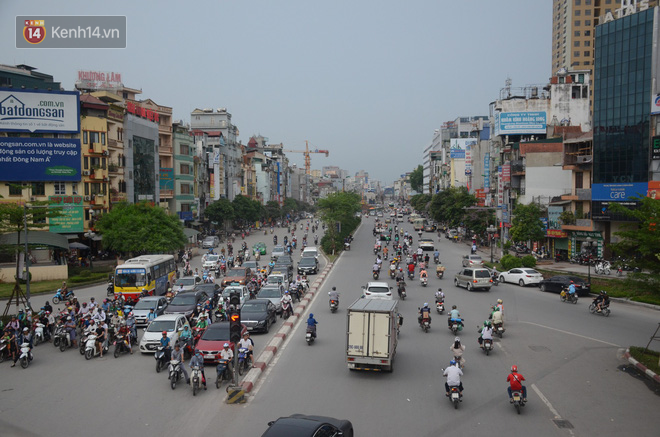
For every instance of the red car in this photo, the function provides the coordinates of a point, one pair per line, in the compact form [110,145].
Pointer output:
[213,339]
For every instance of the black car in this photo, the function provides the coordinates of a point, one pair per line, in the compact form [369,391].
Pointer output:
[308,265]
[556,283]
[252,264]
[185,302]
[258,314]
[212,290]
[284,263]
[299,425]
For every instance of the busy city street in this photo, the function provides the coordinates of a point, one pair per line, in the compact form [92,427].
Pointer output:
[571,361]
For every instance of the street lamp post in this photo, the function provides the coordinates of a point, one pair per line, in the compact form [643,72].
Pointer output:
[491,232]
[589,241]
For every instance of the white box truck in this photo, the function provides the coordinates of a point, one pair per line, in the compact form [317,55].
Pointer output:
[371,337]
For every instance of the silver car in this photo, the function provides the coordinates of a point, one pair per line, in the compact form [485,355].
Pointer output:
[274,294]
[188,283]
[144,305]
[210,242]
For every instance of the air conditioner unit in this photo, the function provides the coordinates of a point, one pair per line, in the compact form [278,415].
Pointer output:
[584,159]
[100,195]
[85,172]
[33,198]
[105,153]
[86,198]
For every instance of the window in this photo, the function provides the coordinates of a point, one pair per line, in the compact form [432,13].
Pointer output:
[74,188]
[86,188]
[587,2]
[185,207]
[38,189]
[608,2]
[576,43]
[84,137]
[185,189]
[587,22]
[587,12]
[576,54]
[576,33]
[15,190]
[587,43]
[60,187]
[93,137]
[103,138]
[587,53]
[577,13]
[587,33]
[185,169]
[185,149]
[579,176]
[577,3]
[577,23]
[86,163]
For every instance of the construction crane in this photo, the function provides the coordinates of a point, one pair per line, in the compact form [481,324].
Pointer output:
[307,152]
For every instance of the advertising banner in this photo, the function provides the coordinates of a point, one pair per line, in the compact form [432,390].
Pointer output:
[500,186]
[457,146]
[654,190]
[71,214]
[506,172]
[556,233]
[39,111]
[40,159]
[618,191]
[518,123]
[553,217]
[166,180]
[468,160]
[487,170]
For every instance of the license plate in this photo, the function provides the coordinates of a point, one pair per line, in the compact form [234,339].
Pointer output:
[516,397]
[209,356]
[250,328]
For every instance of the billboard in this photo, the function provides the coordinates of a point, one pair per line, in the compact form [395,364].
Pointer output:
[618,191]
[487,170]
[517,123]
[166,178]
[39,111]
[40,159]
[71,215]
[457,147]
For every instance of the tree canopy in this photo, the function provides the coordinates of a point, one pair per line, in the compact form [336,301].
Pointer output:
[526,224]
[417,179]
[419,201]
[449,205]
[141,228]
[338,207]
[246,209]
[220,211]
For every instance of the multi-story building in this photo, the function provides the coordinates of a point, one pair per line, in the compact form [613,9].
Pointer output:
[25,77]
[184,172]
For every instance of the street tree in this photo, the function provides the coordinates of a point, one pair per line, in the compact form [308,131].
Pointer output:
[450,205]
[272,210]
[420,201]
[526,224]
[141,228]
[220,212]
[245,209]
[338,208]
[417,179]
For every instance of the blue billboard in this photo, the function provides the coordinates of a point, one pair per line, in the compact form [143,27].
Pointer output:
[617,192]
[519,123]
[40,159]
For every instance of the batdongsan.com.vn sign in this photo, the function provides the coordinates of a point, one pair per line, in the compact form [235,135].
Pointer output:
[40,159]
[39,111]
[520,123]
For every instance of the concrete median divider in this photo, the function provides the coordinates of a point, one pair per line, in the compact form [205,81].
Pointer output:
[274,345]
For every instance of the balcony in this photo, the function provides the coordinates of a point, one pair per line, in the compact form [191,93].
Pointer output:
[583,193]
[165,150]
[580,225]
[166,194]
[112,143]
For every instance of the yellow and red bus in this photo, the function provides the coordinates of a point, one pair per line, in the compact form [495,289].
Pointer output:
[153,273]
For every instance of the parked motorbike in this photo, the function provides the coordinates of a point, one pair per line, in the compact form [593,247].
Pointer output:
[518,402]
[176,372]
[159,356]
[26,355]
[310,335]
[565,296]
[243,361]
[121,346]
[222,371]
[487,345]
[196,379]
[593,309]
[59,296]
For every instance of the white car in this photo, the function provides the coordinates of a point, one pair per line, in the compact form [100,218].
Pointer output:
[171,323]
[472,261]
[210,242]
[242,289]
[211,262]
[377,290]
[522,276]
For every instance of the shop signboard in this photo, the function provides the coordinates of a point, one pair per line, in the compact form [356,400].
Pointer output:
[71,218]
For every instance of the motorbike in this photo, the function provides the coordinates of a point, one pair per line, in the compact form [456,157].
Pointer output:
[286,310]
[175,371]
[59,296]
[436,259]
[334,304]
[424,280]
[222,371]
[196,379]
[440,271]
[90,347]
[26,355]
[498,329]
[310,335]
[518,402]
[63,340]
[4,350]
[110,291]
[347,246]
[121,346]
[487,345]
[495,279]
[425,324]
[440,307]
[455,396]
[375,274]
[565,296]
[593,309]
[401,289]
[392,273]
[411,275]
[455,326]
[159,356]
[38,334]
[243,361]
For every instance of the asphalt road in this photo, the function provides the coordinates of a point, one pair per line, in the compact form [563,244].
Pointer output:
[568,356]
[64,393]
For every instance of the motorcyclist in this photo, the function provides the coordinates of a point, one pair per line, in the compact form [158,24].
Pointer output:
[602,300]
[436,256]
[47,307]
[203,322]
[424,313]
[124,330]
[571,288]
[515,380]
[130,323]
[399,276]
[497,317]
[24,336]
[423,275]
[499,306]
[226,354]
[100,337]
[186,336]
[457,349]
[177,355]
[151,316]
[453,375]
[247,343]
[439,296]
[334,294]
[376,268]
[311,324]
[411,270]
[486,333]
[165,344]
[286,298]
[454,315]
[198,361]
[426,259]
[70,327]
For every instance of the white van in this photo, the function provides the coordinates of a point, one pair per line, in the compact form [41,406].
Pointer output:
[311,251]
[278,278]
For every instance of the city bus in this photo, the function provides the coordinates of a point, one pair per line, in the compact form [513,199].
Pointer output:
[153,273]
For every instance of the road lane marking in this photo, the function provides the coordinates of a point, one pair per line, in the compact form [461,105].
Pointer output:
[549,405]
[571,333]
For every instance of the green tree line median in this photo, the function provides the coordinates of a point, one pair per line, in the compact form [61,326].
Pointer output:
[338,212]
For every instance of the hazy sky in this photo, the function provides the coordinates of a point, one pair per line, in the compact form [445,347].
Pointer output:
[369,80]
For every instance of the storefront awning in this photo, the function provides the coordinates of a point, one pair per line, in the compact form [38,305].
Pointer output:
[190,232]
[36,238]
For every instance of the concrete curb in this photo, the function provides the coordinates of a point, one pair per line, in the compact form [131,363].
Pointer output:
[632,302]
[641,367]
[269,353]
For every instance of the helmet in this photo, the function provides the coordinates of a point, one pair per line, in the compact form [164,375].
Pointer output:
[453,307]
[334,288]
[514,368]
[603,291]
[439,289]
[458,339]
[426,304]
[68,308]
[68,318]
[452,362]
[164,332]
[311,316]
[225,345]
[197,352]
[499,300]
[25,330]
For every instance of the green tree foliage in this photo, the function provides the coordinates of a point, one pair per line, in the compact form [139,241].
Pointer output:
[245,209]
[417,179]
[477,220]
[509,262]
[529,261]
[338,208]
[272,210]
[220,211]
[141,228]
[640,240]
[419,201]
[526,224]
[449,205]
